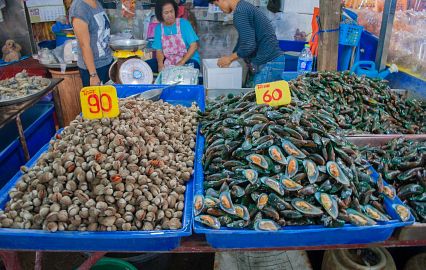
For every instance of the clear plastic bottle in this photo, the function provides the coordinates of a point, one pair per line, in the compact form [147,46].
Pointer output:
[304,64]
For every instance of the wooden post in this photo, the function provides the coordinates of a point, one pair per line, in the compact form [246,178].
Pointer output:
[328,42]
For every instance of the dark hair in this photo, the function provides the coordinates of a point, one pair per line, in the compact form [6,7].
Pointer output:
[159,8]
[212,1]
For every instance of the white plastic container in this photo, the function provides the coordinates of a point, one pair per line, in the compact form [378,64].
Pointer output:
[222,78]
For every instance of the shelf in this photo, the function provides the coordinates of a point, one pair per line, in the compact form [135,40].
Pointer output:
[198,244]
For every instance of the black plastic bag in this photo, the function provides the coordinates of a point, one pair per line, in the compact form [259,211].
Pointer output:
[274,6]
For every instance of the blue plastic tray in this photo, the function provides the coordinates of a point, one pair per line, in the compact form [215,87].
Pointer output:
[179,94]
[109,241]
[294,236]
[39,127]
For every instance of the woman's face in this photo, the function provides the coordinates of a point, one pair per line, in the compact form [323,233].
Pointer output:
[169,14]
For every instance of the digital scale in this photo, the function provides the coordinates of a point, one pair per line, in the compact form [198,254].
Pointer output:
[129,68]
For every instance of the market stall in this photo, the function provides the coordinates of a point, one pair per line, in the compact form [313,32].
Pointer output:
[324,160]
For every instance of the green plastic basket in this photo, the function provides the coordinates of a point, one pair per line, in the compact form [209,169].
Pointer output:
[112,264]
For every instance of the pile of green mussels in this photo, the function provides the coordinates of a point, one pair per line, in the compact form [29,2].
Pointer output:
[403,164]
[348,104]
[267,167]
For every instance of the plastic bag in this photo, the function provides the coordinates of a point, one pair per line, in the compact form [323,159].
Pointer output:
[185,75]
[45,56]
[371,20]
[407,47]
[59,53]
[295,23]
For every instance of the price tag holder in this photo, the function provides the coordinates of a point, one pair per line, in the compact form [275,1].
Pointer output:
[273,93]
[99,102]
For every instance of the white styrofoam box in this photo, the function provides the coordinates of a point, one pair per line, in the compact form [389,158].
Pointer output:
[300,6]
[215,77]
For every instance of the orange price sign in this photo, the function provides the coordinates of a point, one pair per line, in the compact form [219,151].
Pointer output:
[99,101]
[273,93]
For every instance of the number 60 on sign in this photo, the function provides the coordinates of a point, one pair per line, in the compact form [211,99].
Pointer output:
[273,93]
[99,101]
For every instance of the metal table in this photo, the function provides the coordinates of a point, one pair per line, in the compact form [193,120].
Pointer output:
[8,113]
[198,244]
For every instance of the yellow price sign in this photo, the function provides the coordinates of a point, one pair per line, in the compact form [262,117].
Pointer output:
[99,101]
[273,93]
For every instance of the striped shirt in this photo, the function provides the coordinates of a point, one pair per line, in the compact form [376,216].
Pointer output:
[257,41]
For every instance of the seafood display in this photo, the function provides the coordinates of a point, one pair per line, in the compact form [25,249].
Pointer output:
[267,167]
[403,164]
[347,104]
[21,85]
[124,173]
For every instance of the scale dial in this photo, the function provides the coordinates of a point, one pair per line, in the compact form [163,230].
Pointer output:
[135,71]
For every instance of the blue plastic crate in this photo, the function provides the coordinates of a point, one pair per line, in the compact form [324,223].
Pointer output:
[289,75]
[292,45]
[367,47]
[39,127]
[350,34]
[111,241]
[296,236]
[49,44]
[179,94]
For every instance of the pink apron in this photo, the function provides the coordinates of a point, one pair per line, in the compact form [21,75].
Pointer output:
[174,48]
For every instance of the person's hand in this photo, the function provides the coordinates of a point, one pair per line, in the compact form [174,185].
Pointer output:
[224,61]
[94,81]
[180,63]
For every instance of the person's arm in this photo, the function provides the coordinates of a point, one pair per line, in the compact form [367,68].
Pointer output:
[246,36]
[160,60]
[226,61]
[81,30]
[192,49]
[190,37]
[246,44]
[157,45]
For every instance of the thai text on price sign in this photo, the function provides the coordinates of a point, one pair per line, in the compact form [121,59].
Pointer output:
[273,93]
[99,101]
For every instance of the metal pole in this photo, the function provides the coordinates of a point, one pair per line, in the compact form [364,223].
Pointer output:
[22,137]
[94,257]
[58,107]
[38,260]
[385,33]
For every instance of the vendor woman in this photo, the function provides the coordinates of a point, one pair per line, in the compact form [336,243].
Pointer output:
[175,40]
[257,43]
[92,29]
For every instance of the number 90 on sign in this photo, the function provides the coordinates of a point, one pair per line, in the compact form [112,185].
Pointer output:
[273,94]
[99,101]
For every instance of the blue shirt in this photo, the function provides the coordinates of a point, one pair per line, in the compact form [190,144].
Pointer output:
[257,41]
[188,34]
[99,31]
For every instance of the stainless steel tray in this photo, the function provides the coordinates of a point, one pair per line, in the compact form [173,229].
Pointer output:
[211,94]
[9,102]
[58,66]
[381,139]
[128,44]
